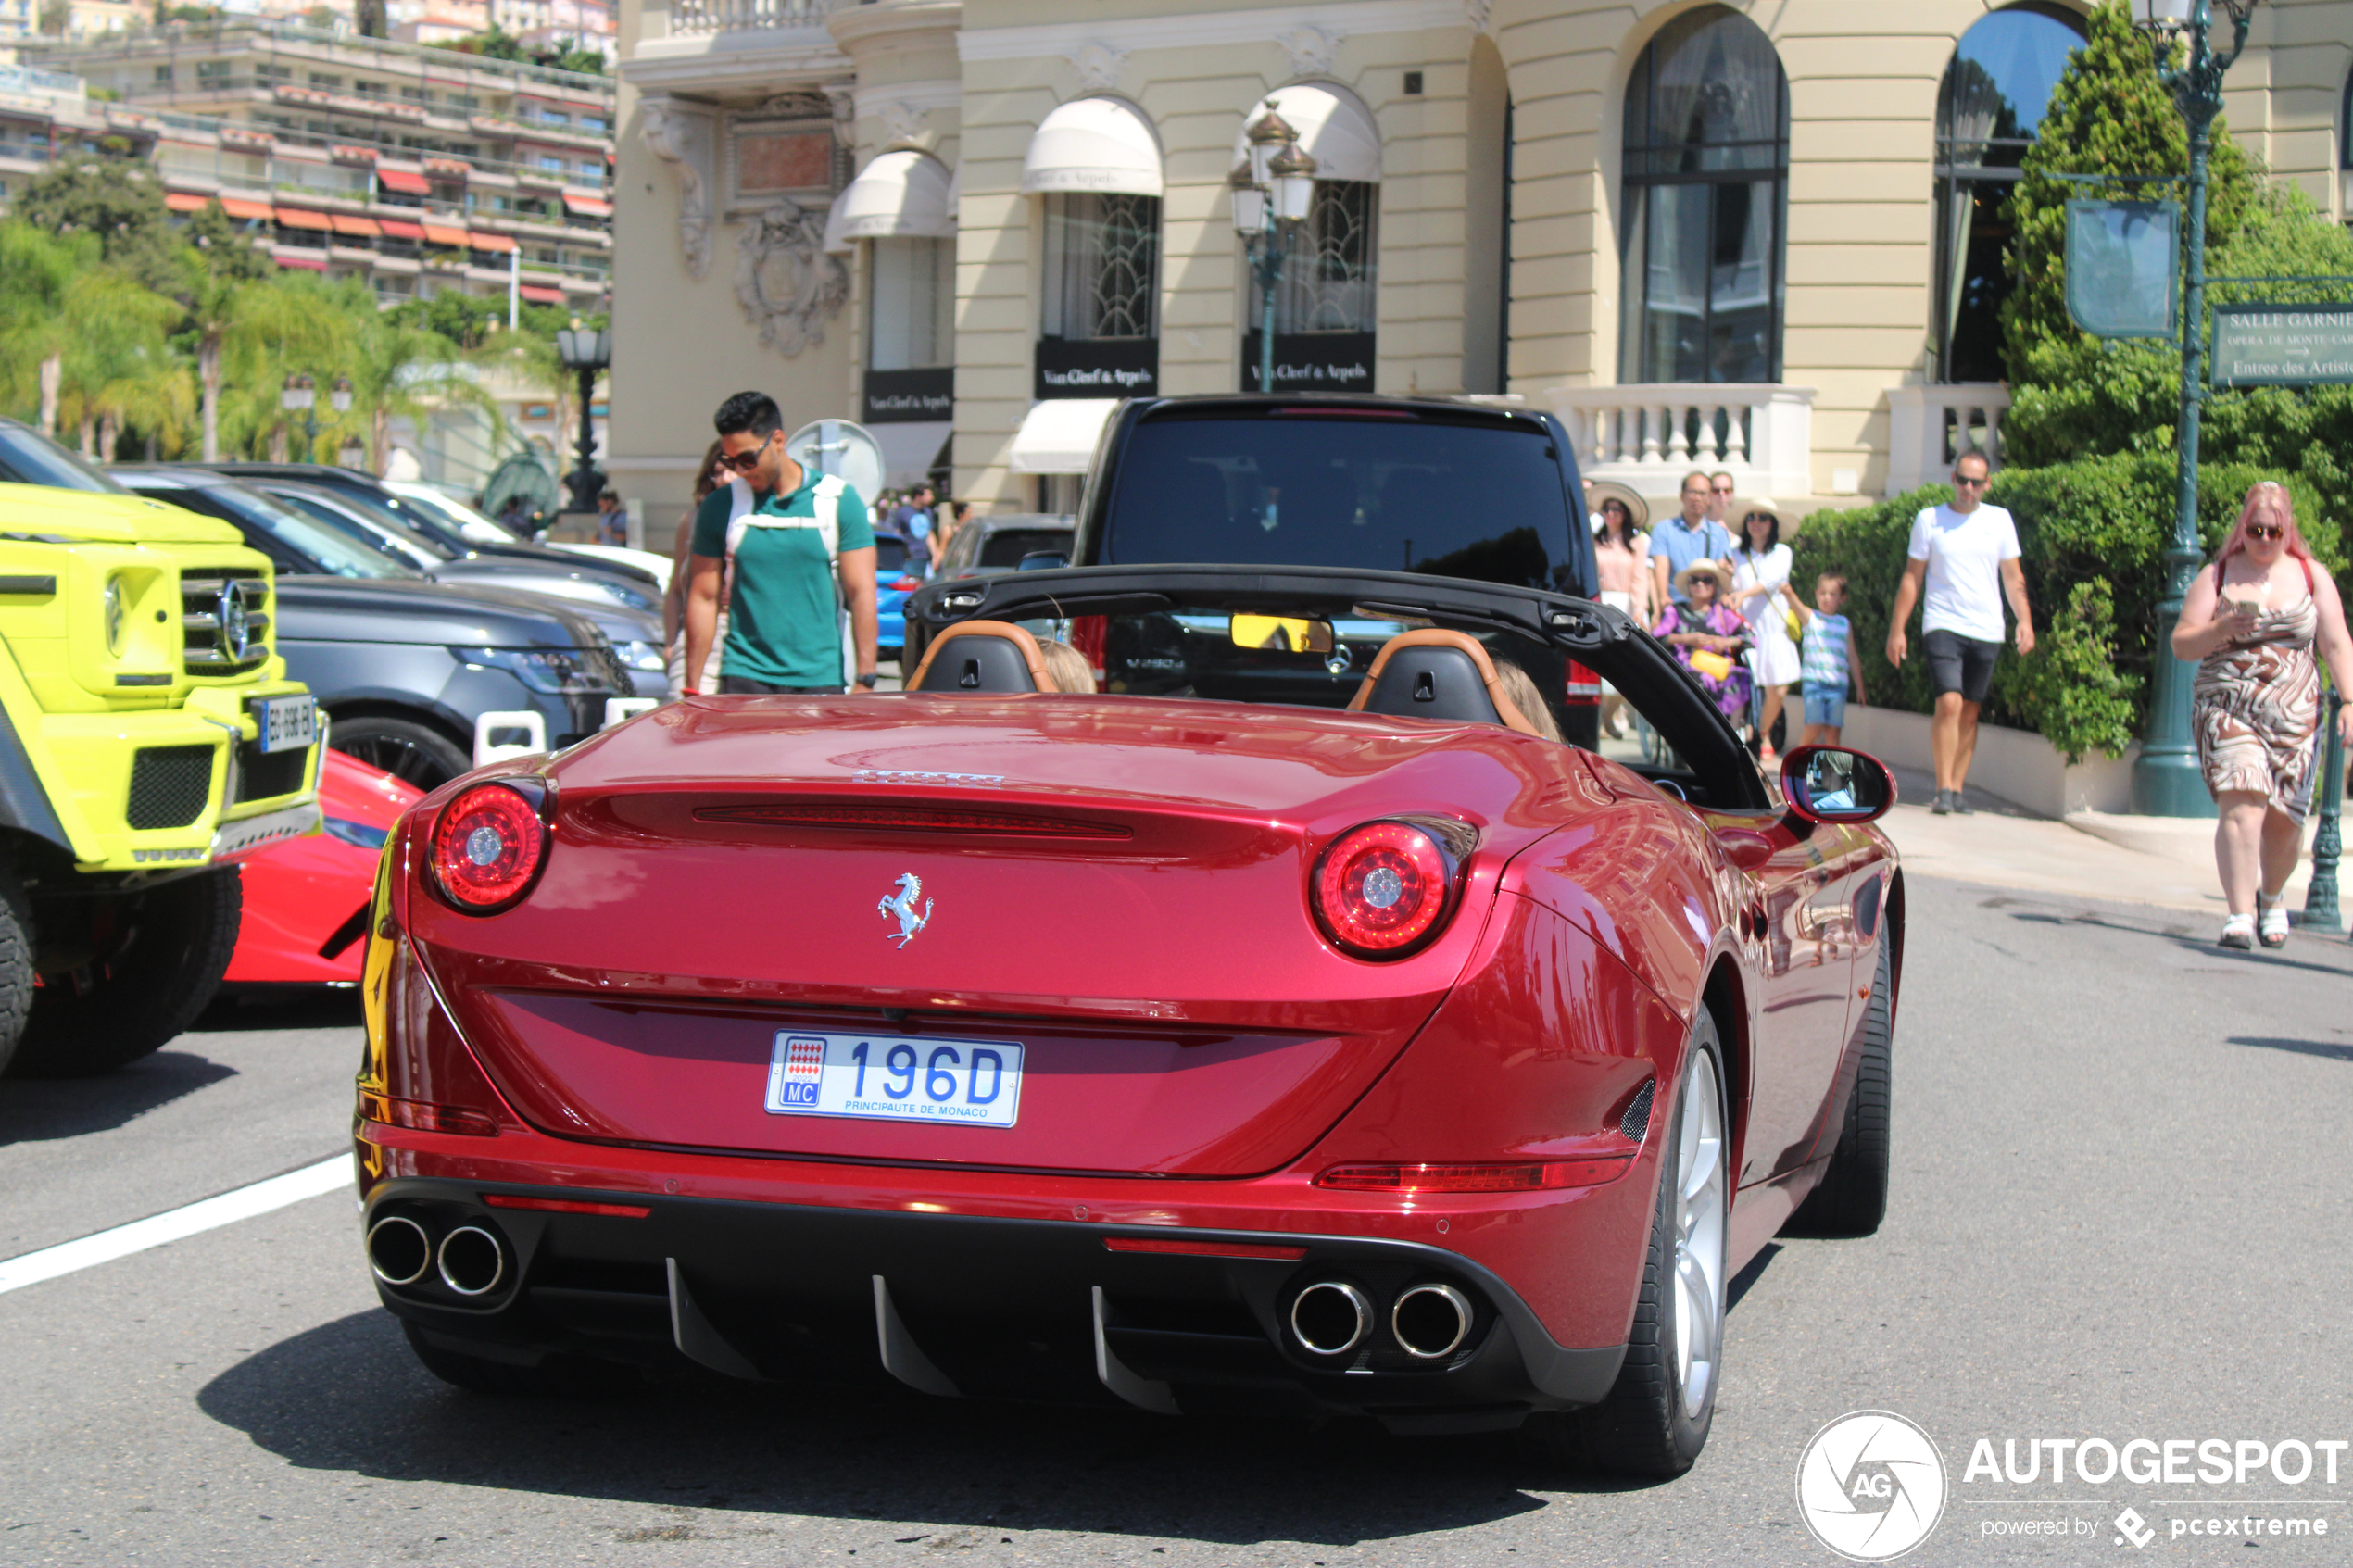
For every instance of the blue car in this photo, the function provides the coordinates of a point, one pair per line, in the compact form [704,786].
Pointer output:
[894,580]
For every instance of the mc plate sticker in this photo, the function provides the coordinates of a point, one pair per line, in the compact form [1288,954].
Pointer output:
[969,1083]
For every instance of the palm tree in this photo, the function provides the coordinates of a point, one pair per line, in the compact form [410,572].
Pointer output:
[119,363]
[276,327]
[399,371]
[36,270]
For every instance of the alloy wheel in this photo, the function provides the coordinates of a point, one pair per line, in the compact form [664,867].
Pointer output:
[1700,1223]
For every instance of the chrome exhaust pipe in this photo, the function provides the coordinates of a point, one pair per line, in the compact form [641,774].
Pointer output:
[399,1250]
[1330,1318]
[473,1261]
[1430,1321]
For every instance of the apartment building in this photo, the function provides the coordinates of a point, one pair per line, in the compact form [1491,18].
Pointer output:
[418,169]
[1763,236]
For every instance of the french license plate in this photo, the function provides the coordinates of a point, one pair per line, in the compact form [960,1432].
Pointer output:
[288,724]
[968,1082]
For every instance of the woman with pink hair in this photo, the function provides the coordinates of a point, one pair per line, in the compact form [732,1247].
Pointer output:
[2252,620]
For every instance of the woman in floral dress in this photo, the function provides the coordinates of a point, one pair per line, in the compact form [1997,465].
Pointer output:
[1709,636]
[2252,620]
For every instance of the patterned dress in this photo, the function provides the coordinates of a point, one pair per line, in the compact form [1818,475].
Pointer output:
[2255,705]
[1729,691]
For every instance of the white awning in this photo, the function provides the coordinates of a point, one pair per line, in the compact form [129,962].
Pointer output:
[1334,129]
[910,450]
[1059,436]
[901,195]
[1093,144]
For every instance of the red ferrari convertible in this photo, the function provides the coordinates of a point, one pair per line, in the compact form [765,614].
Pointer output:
[1295,1024]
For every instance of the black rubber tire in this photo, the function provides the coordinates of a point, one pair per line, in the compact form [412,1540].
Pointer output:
[1852,1198]
[1640,1429]
[15,966]
[555,1377]
[413,753]
[178,940]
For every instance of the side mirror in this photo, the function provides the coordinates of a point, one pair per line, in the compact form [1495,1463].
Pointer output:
[1043,561]
[1830,783]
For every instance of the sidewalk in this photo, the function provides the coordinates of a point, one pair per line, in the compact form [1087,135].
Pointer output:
[2164,861]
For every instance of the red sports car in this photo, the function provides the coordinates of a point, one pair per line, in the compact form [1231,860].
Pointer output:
[305,900]
[1293,1025]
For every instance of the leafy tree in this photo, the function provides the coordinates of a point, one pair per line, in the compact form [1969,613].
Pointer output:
[37,269]
[586,62]
[2108,115]
[120,203]
[225,245]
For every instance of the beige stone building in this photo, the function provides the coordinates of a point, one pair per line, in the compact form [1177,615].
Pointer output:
[1762,236]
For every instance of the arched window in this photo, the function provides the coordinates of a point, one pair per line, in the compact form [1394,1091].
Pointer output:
[1707,180]
[1987,112]
[1097,162]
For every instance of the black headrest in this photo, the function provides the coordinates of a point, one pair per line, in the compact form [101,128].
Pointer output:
[1432,683]
[977,662]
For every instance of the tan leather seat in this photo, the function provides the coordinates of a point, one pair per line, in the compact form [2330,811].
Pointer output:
[1435,673]
[981,655]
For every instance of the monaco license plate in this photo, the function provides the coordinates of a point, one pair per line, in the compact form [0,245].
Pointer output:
[288,724]
[969,1083]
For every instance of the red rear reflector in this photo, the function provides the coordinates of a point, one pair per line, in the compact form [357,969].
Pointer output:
[424,1116]
[1343,413]
[912,818]
[1533,1176]
[566,1206]
[1583,684]
[1204,1248]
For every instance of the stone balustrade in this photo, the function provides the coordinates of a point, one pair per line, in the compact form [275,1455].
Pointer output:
[1927,427]
[1649,436]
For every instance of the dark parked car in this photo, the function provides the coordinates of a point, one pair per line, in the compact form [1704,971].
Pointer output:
[402,665]
[635,634]
[998,543]
[379,497]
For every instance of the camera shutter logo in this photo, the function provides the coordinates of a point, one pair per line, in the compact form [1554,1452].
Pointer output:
[1870,1485]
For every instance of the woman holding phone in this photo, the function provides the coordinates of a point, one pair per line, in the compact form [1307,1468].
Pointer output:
[2253,619]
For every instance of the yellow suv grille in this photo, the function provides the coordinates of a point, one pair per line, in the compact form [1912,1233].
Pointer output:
[225,628]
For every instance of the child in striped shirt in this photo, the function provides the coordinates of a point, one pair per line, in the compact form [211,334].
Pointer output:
[1827,665]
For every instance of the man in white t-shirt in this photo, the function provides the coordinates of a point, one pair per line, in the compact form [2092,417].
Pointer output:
[1966,553]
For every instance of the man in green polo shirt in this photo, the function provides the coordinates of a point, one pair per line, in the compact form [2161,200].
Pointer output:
[789,590]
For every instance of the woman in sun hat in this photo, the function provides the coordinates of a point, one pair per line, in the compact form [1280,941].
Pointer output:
[1709,637]
[1760,570]
[1622,564]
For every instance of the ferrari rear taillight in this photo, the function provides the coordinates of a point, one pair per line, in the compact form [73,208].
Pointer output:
[487,848]
[425,1116]
[1382,887]
[1535,1175]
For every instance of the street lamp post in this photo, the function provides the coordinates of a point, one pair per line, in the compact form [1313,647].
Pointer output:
[585,351]
[300,396]
[2165,781]
[2321,912]
[1272,194]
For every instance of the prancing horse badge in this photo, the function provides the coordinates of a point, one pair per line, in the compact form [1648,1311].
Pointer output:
[910,887]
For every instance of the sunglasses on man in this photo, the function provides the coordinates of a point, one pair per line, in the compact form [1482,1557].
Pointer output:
[1974,480]
[744,463]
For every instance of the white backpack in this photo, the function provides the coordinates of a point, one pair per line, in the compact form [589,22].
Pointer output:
[744,513]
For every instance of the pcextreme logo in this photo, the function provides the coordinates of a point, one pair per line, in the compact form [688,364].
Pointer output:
[1870,1485]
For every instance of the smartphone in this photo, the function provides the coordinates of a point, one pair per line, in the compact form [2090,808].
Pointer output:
[2247,607]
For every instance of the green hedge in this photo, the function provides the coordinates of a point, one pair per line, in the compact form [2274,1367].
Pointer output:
[2094,536]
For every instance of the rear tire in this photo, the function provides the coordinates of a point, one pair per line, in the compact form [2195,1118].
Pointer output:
[15,966]
[413,753]
[557,1377]
[168,948]
[1655,1419]
[1852,1198]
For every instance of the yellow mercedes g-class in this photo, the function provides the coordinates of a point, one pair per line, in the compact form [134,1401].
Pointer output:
[149,740]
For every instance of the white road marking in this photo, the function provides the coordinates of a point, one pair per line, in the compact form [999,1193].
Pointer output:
[195,1218]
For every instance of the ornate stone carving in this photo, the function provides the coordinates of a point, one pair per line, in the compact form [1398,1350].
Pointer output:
[1098,66]
[682,135]
[901,120]
[797,105]
[1312,50]
[786,282]
[841,101]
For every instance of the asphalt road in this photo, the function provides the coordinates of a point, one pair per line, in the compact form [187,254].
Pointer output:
[2122,1163]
